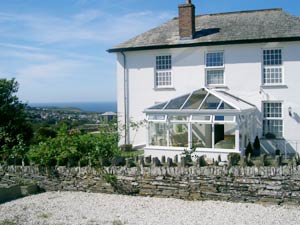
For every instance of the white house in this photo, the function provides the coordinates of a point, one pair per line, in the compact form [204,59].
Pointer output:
[213,82]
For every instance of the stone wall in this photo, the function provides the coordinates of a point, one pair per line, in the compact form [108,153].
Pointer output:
[238,184]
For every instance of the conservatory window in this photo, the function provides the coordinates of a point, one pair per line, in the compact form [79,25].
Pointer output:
[221,119]
[177,102]
[157,117]
[224,136]
[157,134]
[214,68]
[159,106]
[224,105]
[201,118]
[272,70]
[211,102]
[195,99]
[179,135]
[163,74]
[178,118]
[201,135]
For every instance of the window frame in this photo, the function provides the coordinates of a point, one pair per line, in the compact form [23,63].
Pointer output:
[266,118]
[281,66]
[158,71]
[214,68]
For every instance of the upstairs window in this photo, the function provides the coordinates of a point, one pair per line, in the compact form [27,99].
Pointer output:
[273,120]
[272,67]
[163,74]
[214,63]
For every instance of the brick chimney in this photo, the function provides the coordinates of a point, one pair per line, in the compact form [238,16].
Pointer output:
[186,20]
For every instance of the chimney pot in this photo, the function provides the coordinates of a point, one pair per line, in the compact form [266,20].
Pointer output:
[188,2]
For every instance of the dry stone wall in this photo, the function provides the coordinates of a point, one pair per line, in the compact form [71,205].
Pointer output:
[238,184]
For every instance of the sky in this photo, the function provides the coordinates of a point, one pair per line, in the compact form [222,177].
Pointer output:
[56,49]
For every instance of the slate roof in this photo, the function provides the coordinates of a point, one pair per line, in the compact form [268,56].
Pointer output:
[223,28]
[202,101]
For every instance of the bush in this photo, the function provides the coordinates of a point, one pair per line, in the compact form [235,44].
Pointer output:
[262,161]
[74,148]
[43,133]
[256,147]
[249,150]
[234,159]
[201,161]
[126,147]
[277,152]
[296,160]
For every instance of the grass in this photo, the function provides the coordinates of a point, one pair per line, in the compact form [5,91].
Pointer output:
[132,153]
[117,222]
[8,222]
[44,216]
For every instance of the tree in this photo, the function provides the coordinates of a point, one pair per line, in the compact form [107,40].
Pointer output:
[15,129]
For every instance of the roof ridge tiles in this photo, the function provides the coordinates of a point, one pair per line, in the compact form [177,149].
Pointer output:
[237,12]
[241,11]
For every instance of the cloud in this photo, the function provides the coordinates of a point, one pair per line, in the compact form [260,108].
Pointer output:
[17,46]
[88,25]
[51,70]
[65,80]
[27,56]
[62,57]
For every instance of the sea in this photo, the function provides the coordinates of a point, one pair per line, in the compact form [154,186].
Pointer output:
[84,106]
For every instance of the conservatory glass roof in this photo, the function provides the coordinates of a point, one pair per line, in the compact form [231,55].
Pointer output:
[203,100]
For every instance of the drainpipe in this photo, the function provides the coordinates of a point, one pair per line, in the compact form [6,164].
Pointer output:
[126,101]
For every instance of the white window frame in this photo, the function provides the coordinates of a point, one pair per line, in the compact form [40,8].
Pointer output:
[269,118]
[281,67]
[214,68]
[163,72]
[225,121]
[194,120]
[157,120]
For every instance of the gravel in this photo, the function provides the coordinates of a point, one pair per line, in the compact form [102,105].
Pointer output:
[90,208]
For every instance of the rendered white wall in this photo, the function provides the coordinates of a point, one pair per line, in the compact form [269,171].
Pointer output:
[243,77]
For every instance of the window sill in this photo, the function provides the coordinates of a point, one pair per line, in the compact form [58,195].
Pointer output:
[270,86]
[164,89]
[217,87]
[272,139]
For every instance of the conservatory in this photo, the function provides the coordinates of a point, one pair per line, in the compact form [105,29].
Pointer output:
[207,120]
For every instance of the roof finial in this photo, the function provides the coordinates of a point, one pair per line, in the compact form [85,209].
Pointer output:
[188,1]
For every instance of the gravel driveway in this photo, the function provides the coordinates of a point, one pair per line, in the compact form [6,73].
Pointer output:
[89,208]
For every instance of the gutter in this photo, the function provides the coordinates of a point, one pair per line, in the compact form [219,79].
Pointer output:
[126,100]
[199,44]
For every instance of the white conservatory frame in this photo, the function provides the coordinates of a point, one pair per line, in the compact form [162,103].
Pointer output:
[242,117]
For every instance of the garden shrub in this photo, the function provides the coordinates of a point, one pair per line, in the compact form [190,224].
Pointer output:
[126,147]
[277,152]
[234,159]
[249,150]
[278,160]
[296,160]
[256,147]
[201,161]
[74,148]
